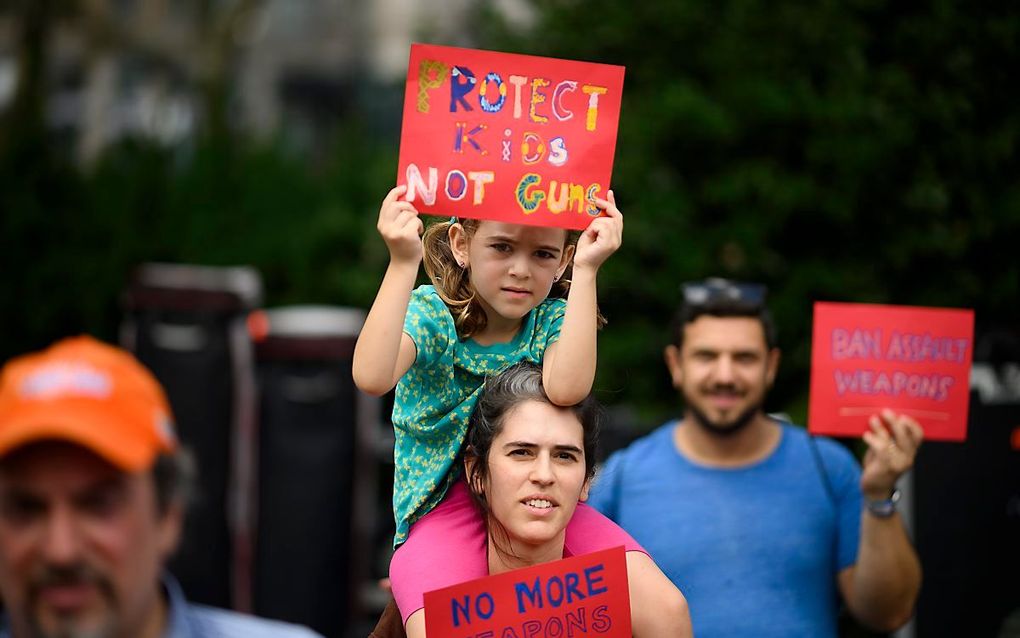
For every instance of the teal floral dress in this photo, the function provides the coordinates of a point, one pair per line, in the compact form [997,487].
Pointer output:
[436,396]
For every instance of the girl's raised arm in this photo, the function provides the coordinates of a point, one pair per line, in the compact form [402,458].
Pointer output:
[568,368]
[383,352]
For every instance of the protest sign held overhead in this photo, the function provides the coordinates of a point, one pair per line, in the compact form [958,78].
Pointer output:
[506,137]
[912,360]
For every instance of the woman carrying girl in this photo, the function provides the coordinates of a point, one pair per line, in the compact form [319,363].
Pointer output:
[522,447]
[488,307]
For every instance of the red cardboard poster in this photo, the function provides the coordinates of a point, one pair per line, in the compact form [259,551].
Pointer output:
[507,137]
[578,596]
[911,360]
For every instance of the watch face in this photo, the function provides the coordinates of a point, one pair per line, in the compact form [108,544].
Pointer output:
[886,508]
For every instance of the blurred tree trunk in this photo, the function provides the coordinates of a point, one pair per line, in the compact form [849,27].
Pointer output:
[25,118]
[219,32]
[204,52]
[100,84]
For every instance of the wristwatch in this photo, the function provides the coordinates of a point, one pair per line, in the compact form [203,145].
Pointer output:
[884,508]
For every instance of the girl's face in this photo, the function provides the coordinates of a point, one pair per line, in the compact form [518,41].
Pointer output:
[536,473]
[512,266]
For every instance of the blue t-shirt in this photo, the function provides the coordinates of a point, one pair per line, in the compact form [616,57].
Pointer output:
[754,549]
[437,395]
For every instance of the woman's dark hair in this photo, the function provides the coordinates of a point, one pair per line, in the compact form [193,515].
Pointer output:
[518,384]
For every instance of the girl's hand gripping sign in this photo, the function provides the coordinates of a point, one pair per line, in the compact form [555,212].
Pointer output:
[513,138]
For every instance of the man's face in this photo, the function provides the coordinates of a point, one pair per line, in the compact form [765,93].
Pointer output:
[82,544]
[723,371]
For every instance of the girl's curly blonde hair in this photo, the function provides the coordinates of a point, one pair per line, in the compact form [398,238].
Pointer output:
[453,282]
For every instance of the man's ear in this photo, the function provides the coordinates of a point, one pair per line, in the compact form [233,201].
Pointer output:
[584,490]
[459,244]
[771,366]
[671,355]
[170,527]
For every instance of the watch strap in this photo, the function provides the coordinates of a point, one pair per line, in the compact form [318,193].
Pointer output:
[883,508]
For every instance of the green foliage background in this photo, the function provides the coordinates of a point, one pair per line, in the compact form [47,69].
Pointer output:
[855,151]
[859,151]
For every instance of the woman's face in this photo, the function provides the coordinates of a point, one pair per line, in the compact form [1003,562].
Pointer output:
[536,472]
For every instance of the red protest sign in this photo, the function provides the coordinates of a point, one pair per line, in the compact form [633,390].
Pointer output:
[912,360]
[508,137]
[578,596]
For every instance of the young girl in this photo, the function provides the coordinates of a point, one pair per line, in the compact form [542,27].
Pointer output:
[487,308]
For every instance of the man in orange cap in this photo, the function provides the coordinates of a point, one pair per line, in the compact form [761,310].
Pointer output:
[92,491]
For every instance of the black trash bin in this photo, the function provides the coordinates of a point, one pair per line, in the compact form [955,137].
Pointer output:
[317,469]
[967,505]
[187,324]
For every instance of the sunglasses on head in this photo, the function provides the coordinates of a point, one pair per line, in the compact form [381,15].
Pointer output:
[716,291]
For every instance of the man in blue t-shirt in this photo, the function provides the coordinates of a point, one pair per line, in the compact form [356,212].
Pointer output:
[763,527]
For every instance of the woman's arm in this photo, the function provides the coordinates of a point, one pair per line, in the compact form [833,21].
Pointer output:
[657,608]
[383,352]
[568,367]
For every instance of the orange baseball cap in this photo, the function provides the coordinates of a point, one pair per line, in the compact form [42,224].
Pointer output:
[86,392]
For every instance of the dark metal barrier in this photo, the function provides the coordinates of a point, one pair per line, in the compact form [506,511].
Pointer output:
[317,469]
[187,324]
[967,506]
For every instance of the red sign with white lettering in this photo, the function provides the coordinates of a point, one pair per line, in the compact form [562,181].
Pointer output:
[912,360]
[514,138]
[578,596]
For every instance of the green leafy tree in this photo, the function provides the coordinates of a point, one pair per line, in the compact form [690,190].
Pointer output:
[856,151]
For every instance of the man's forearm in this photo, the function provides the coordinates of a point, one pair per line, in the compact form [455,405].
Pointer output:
[887,575]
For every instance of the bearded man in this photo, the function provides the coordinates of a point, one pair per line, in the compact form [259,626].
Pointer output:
[766,530]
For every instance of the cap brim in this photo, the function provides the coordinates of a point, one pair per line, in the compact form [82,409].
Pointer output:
[81,427]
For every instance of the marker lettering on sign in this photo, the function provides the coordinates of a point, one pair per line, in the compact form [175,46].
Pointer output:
[572,623]
[557,591]
[570,197]
[418,187]
[517,81]
[483,607]
[456,185]
[856,344]
[531,628]
[924,347]
[433,73]
[426,189]
[591,580]
[537,97]
[601,621]
[462,82]
[557,151]
[576,620]
[918,386]
[593,93]
[912,348]
[463,135]
[561,112]
[492,107]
